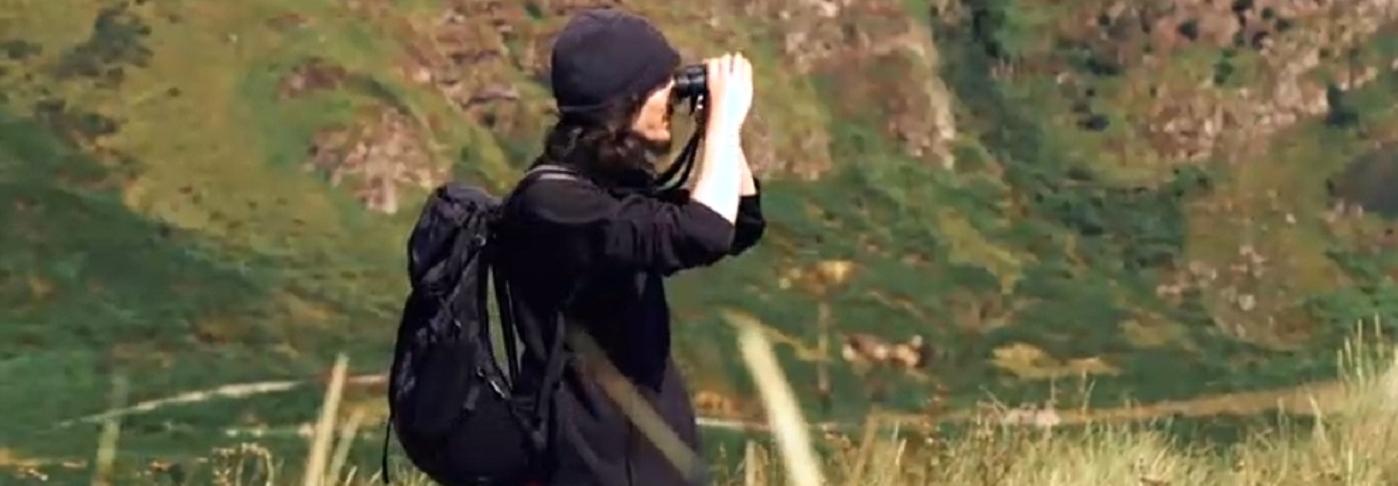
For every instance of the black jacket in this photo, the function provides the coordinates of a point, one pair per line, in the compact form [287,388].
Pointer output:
[612,246]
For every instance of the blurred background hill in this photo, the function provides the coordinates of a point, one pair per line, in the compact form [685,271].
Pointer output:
[1151,200]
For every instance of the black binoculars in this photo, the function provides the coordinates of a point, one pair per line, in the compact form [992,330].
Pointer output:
[691,83]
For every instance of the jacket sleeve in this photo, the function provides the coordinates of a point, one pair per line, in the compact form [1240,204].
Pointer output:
[635,232]
[750,224]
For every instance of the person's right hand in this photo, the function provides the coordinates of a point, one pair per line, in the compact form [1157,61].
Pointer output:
[730,93]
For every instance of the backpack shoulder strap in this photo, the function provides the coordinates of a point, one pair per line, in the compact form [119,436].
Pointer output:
[555,360]
[546,172]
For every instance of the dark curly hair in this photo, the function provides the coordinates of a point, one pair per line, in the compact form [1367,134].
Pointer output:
[602,143]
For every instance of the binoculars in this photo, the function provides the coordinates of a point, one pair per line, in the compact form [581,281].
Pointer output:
[691,84]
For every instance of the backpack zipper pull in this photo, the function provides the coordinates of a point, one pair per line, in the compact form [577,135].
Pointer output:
[494,385]
[498,390]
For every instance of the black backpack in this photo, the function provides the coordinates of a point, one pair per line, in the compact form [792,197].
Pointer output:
[457,415]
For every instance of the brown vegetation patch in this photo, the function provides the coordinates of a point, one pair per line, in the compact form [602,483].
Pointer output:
[377,156]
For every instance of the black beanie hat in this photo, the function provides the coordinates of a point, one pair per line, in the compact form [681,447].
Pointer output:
[606,54]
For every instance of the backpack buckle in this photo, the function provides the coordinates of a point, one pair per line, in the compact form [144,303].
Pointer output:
[494,385]
[500,391]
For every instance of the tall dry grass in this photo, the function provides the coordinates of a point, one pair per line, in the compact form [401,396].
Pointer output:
[1356,444]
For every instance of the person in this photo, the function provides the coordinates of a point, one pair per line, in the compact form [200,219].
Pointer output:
[597,247]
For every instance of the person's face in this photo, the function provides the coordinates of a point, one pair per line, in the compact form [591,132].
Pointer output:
[652,123]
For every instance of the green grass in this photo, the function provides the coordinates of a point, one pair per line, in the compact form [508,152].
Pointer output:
[107,289]
[191,258]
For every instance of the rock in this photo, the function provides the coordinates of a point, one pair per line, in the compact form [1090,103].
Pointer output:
[910,355]
[1246,250]
[313,75]
[843,41]
[835,272]
[714,404]
[422,75]
[1247,302]
[866,349]
[377,155]
[1289,55]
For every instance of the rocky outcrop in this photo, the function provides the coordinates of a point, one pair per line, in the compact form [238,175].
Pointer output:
[1293,38]
[474,52]
[845,39]
[489,58]
[380,153]
[484,54]
[1188,120]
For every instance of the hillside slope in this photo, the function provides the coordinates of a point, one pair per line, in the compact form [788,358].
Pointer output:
[1166,197]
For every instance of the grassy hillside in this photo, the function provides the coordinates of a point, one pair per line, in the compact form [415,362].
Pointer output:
[1128,198]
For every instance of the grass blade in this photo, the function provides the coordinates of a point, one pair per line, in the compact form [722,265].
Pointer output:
[320,442]
[111,431]
[788,426]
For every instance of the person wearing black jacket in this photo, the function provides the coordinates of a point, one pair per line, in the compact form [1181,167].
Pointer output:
[598,247]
